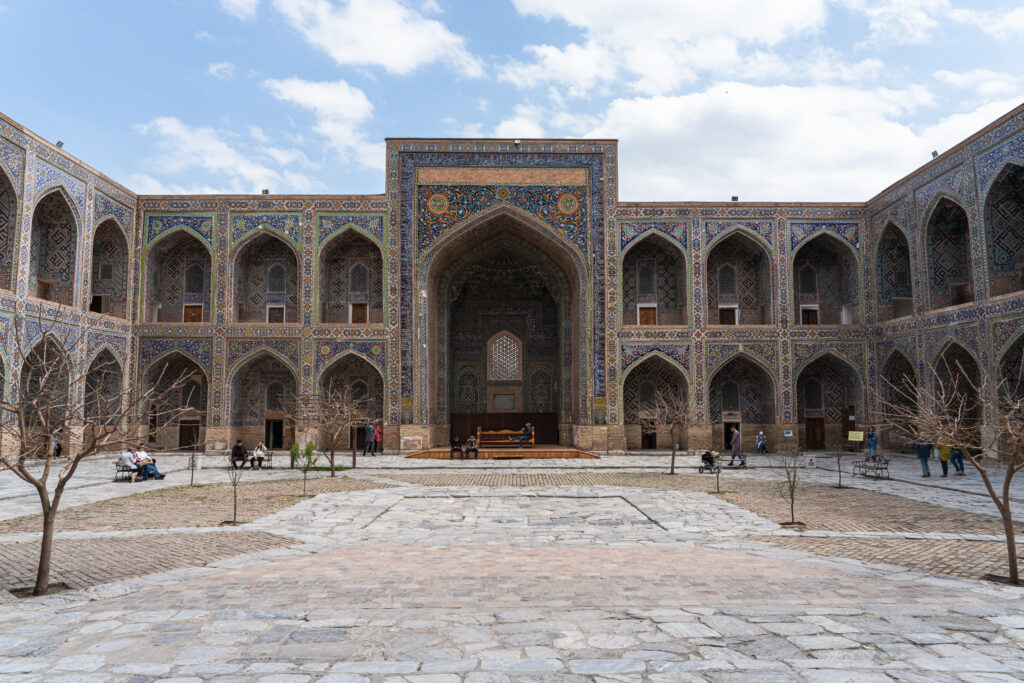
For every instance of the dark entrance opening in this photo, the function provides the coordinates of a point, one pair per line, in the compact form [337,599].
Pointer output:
[815,427]
[188,434]
[727,432]
[545,425]
[274,434]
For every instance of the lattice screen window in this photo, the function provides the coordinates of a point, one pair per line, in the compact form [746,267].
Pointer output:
[506,359]
[359,393]
[645,275]
[901,277]
[106,271]
[276,279]
[645,394]
[192,395]
[726,281]
[194,278]
[808,280]
[730,396]
[275,395]
[358,279]
[812,395]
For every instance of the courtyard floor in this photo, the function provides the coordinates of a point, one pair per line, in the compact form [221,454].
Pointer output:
[498,571]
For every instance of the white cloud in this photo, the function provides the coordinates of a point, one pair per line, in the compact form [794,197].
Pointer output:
[185,150]
[341,111]
[257,134]
[525,122]
[222,70]
[383,33]
[204,36]
[243,9]
[1001,25]
[901,22]
[983,81]
[654,44]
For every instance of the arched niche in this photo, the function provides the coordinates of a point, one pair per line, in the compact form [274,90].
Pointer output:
[654,283]
[52,273]
[351,274]
[367,388]
[830,402]
[959,375]
[109,281]
[898,388]
[825,290]
[742,393]
[46,377]
[894,284]
[104,382]
[643,384]
[263,389]
[266,281]
[739,280]
[948,256]
[10,229]
[1004,231]
[176,417]
[178,280]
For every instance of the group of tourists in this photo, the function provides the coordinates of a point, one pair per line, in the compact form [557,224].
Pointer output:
[945,453]
[374,435]
[140,463]
[464,449]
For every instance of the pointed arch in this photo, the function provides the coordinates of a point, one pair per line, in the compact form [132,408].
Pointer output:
[109,278]
[757,387]
[838,392]
[948,253]
[755,274]
[835,297]
[252,417]
[342,253]
[53,258]
[351,367]
[893,275]
[166,296]
[104,383]
[252,260]
[189,403]
[10,230]
[653,374]
[253,354]
[1003,217]
[350,352]
[654,281]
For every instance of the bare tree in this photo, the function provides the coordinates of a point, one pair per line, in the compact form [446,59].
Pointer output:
[332,413]
[948,408]
[235,477]
[41,410]
[671,408]
[789,464]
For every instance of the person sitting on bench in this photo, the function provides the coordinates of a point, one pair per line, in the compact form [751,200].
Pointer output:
[456,446]
[127,459]
[239,455]
[525,436]
[471,446]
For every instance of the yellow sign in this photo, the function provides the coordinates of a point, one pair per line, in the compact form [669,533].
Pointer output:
[856,436]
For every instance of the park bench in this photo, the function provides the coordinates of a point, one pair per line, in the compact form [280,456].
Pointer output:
[877,467]
[502,437]
[268,460]
[122,472]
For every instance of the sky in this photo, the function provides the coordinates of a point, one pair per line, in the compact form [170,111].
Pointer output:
[789,100]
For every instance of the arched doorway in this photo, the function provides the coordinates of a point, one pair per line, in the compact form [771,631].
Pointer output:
[739,282]
[742,394]
[504,349]
[109,271]
[52,272]
[1004,231]
[178,280]
[899,388]
[654,283]
[262,391]
[367,389]
[266,276]
[351,276]
[894,285]
[825,283]
[46,376]
[177,419]
[830,400]
[640,391]
[948,256]
[10,229]
[959,378]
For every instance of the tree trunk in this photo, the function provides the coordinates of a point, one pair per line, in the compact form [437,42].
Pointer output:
[45,550]
[234,513]
[332,461]
[1007,513]
[305,471]
[353,454]
[672,466]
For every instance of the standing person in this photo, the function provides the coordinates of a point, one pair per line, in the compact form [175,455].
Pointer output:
[944,455]
[762,443]
[370,439]
[956,456]
[378,438]
[57,448]
[736,443]
[238,455]
[924,451]
[257,456]
[872,444]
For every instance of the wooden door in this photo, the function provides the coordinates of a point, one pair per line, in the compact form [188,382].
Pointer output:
[815,429]
[808,316]
[726,316]
[849,421]
[193,314]
[275,314]
[359,314]
[648,315]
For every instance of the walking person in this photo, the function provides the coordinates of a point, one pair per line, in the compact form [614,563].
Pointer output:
[762,443]
[945,451]
[872,442]
[736,443]
[924,451]
[370,439]
[956,456]
[378,438]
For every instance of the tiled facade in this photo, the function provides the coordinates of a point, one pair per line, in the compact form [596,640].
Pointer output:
[884,280]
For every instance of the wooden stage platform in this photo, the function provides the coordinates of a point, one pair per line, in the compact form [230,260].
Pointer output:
[510,453]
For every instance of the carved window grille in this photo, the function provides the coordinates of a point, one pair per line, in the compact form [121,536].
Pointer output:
[506,358]
[812,395]
[358,279]
[645,276]
[276,279]
[726,281]
[645,394]
[106,271]
[730,396]
[808,280]
[902,278]
[194,279]
[275,396]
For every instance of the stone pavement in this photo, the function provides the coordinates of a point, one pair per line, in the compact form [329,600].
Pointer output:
[537,583]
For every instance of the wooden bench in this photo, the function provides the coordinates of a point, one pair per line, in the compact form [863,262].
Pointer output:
[268,460]
[877,467]
[122,472]
[502,437]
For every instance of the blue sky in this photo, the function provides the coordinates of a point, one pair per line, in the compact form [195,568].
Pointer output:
[792,100]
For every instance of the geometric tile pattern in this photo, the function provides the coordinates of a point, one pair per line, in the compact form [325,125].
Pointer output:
[328,224]
[658,376]
[286,224]
[54,245]
[10,231]
[840,386]
[798,232]
[237,348]
[1004,230]
[949,251]
[675,230]
[893,268]
[201,225]
[754,388]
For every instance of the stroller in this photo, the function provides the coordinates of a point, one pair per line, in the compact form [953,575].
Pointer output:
[710,462]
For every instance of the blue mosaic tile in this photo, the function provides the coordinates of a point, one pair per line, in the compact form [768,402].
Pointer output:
[198,349]
[104,207]
[47,176]
[328,224]
[674,230]
[13,158]
[287,224]
[799,232]
[763,228]
[328,350]
[158,224]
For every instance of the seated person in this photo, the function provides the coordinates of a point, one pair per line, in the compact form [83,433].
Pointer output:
[238,455]
[525,436]
[456,446]
[146,465]
[471,446]
[257,456]
[127,459]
